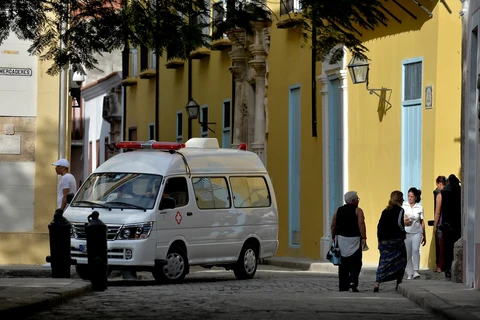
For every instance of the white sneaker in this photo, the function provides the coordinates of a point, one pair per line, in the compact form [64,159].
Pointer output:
[409,277]
[416,275]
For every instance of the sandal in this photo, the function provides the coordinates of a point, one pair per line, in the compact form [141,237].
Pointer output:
[376,288]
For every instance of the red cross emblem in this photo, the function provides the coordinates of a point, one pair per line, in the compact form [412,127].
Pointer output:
[178,217]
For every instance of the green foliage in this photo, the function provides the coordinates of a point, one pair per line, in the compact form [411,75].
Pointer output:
[340,23]
[171,26]
[100,26]
[333,23]
[241,14]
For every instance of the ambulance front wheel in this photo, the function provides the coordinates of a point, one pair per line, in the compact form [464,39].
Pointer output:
[247,263]
[175,268]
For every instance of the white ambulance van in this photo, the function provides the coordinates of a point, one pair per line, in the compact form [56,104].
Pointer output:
[169,206]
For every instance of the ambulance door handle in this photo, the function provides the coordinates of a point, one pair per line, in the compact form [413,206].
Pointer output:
[189,213]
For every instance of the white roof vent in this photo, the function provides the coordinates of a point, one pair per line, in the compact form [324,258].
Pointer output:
[205,143]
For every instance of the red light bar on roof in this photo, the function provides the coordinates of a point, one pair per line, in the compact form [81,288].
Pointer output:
[242,146]
[149,145]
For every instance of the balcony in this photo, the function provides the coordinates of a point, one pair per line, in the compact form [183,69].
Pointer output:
[174,63]
[200,53]
[147,74]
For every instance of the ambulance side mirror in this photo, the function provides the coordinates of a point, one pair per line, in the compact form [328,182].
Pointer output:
[167,203]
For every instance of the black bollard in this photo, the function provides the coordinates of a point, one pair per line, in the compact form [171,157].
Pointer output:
[60,254]
[96,232]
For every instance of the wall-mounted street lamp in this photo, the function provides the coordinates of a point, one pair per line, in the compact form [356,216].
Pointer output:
[193,110]
[359,69]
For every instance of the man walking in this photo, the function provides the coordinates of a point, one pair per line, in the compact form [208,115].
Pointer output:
[348,226]
[67,183]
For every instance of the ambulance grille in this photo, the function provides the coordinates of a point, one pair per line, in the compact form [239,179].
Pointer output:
[78,230]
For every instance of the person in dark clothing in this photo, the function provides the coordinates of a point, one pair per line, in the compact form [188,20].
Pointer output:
[348,226]
[391,242]
[449,209]
[441,182]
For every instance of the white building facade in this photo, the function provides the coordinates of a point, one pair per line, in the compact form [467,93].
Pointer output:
[18,131]
[102,99]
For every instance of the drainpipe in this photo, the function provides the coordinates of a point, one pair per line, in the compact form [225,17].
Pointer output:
[189,94]
[125,61]
[62,121]
[314,82]
[189,71]
[125,74]
[157,97]
[232,113]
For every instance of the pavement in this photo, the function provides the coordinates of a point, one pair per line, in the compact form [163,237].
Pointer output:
[27,289]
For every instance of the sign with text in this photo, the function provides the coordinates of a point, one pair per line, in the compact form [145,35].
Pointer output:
[25,72]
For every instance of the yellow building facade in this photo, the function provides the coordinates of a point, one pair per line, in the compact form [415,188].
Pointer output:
[417,138]
[258,89]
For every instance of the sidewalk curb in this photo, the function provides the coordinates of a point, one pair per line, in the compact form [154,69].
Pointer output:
[43,301]
[312,265]
[434,304]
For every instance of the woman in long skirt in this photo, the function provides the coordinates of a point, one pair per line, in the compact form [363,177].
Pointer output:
[391,242]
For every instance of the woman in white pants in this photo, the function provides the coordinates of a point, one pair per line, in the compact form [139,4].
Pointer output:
[415,228]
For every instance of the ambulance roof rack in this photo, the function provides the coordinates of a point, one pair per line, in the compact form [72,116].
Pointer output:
[204,143]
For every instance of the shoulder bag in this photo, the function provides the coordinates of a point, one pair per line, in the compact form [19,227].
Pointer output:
[334,254]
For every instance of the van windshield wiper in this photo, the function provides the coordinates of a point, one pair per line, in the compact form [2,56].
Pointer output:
[128,204]
[91,203]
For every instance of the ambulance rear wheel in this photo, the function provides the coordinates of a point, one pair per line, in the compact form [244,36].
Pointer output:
[247,263]
[175,268]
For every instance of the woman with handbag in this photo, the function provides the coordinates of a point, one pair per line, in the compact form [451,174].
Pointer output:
[391,242]
[415,228]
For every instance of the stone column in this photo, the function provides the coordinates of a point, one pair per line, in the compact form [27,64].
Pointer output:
[238,69]
[259,65]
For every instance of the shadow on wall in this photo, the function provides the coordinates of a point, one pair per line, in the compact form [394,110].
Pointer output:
[383,106]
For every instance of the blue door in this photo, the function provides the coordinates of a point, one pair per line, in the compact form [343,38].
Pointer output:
[411,171]
[335,146]
[294,148]
[411,148]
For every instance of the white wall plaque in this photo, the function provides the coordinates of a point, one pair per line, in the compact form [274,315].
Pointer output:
[428,97]
[9,144]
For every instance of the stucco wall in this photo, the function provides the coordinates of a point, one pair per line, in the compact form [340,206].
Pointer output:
[375,133]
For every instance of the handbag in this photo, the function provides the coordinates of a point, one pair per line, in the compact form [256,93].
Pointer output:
[334,254]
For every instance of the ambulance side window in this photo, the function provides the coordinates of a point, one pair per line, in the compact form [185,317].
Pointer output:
[250,192]
[177,189]
[211,192]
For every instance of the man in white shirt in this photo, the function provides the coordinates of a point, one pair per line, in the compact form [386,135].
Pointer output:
[67,183]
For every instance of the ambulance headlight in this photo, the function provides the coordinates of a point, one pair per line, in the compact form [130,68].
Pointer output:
[135,231]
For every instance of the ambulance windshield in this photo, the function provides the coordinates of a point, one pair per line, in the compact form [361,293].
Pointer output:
[119,190]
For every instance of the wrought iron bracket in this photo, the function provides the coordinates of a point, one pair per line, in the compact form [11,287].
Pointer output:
[383,89]
[206,125]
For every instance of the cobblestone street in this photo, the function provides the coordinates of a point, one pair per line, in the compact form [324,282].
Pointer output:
[274,293]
